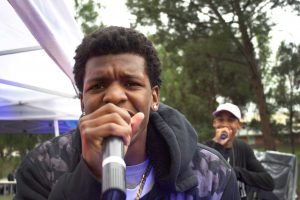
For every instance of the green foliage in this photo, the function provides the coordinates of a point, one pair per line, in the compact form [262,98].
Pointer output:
[285,91]
[87,14]
[19,143]
[221,49]
[207,51]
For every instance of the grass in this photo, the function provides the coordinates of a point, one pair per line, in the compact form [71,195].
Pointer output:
[6,197]
[8,165]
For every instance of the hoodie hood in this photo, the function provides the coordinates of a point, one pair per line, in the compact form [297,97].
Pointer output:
[171,144]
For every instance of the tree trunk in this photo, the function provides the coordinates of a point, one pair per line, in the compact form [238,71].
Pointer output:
[291,116]
[246,48]
[264,117]
[249,53]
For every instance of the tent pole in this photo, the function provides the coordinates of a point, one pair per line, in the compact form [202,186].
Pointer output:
[56,128]
[39,89]
[20,50]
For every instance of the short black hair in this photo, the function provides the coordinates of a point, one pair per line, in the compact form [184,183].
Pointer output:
[116,40]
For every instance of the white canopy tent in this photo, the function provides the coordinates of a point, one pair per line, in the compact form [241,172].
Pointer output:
[37,43]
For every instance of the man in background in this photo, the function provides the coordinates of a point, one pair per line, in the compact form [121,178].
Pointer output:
[251,175]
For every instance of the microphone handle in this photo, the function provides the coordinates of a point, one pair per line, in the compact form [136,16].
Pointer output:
[113,169]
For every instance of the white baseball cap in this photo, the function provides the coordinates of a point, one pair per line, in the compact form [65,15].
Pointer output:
[233,109]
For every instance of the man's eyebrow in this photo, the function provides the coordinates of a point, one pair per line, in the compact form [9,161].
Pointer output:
[125,76]
[133,76]
[96,79]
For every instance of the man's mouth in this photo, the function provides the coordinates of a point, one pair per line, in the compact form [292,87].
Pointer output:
[130,113]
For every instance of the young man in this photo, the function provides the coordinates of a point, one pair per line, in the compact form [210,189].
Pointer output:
[117,72]
[250,174]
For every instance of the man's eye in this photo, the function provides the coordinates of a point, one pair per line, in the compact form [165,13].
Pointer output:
[219,119]
[98,86]
[131,84]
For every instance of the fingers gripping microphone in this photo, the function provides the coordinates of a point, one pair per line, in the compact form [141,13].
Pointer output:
[113,169]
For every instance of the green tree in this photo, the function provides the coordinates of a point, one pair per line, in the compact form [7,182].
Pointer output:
[223,48]
[286,92]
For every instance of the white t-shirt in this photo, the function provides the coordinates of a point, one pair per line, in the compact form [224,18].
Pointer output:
[134,175]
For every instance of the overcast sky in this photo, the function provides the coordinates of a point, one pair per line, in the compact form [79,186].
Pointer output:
[115,13]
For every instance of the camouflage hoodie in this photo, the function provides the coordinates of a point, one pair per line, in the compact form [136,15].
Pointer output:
[183,168]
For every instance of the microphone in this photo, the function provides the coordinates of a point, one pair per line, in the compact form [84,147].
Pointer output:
[113,169]
[224,135]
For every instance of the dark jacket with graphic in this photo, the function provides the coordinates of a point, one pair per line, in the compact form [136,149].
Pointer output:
[183,168]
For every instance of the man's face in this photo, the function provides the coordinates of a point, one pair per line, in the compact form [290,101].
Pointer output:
[226,119]
[122,80]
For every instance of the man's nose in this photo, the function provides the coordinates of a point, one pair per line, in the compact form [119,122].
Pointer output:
[115,94]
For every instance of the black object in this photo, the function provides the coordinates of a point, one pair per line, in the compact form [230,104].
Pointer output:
[113,169]
[283,169]
[224,135]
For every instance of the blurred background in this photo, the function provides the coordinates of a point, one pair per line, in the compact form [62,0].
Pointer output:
[244,52]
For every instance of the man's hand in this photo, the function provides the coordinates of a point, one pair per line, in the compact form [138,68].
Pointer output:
[226,142]
[108,120]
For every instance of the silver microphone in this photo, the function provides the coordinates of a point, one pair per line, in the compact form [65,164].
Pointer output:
[113,169]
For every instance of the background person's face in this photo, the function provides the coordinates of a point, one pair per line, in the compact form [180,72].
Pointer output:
[226,119]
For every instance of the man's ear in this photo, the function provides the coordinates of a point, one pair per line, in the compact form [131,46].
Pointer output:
[214,123]
[155,98]
[241,124]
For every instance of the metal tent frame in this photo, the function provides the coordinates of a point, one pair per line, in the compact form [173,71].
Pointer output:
[37,43]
